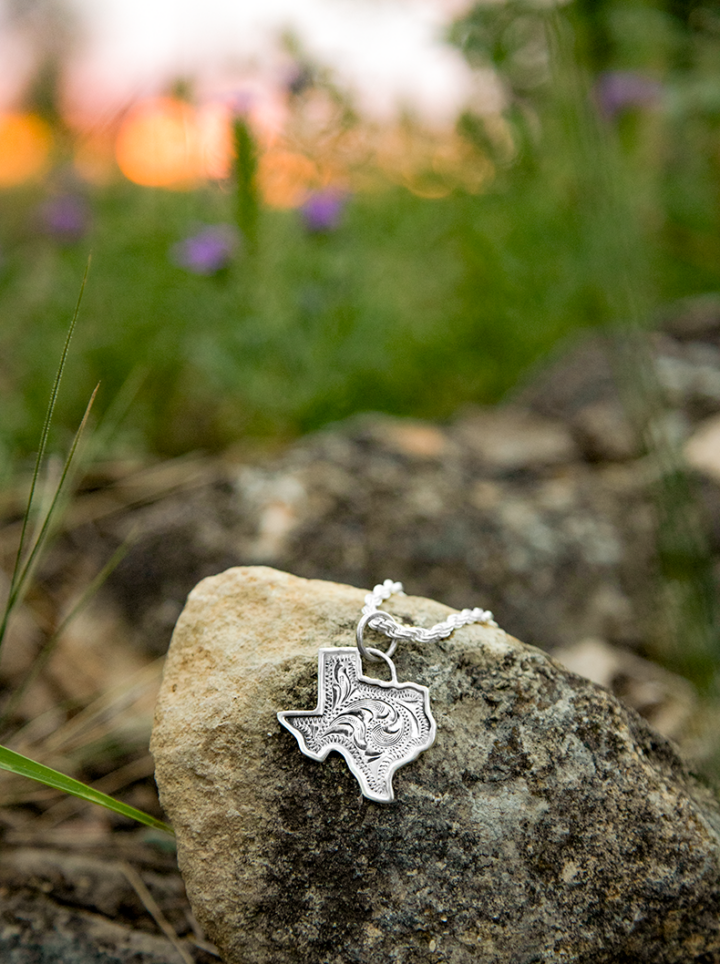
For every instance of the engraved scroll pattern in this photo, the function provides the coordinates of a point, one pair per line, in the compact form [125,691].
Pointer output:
[376,727]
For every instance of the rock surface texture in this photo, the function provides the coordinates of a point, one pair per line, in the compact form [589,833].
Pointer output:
[547,823]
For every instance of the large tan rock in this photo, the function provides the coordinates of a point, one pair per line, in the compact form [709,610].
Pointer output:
[547,823]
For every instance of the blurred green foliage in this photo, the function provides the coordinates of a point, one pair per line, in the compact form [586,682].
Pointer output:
[411,305]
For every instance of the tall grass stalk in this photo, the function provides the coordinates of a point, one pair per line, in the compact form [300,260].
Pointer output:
[246,191]
[22,569]
[25,562]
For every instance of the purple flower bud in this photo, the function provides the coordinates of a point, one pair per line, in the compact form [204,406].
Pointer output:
[621,90]
[322,211]
[208,251]
[65,218]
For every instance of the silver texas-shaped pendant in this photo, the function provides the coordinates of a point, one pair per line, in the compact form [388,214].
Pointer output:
[377,726]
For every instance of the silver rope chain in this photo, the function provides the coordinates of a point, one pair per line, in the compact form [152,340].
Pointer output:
[373,616]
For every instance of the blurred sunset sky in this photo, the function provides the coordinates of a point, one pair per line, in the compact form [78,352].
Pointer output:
[388,55]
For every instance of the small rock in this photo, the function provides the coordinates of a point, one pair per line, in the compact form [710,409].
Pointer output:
[420,440]
[604,434]
[547,823]
[579,375]
[508,439]
[695,318]
[702,449]
[691,379]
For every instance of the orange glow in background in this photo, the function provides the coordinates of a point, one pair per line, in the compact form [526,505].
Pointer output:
[285,178]
[168,143]
[25,143]
[158,144]
[214,132]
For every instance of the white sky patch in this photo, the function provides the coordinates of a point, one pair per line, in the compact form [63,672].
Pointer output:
[389,53]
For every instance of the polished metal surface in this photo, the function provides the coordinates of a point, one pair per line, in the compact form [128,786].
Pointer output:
[376,725]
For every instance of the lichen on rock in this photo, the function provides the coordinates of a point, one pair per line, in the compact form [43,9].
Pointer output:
[547,822]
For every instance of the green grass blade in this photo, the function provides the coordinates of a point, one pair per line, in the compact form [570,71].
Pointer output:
[24,767]
[22,578]
[43,440]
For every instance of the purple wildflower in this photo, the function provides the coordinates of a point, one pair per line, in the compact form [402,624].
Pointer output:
[208,251]
[620,90]
[65,218]
[322,211]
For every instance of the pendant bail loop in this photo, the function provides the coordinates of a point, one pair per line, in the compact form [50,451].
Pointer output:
[367,620]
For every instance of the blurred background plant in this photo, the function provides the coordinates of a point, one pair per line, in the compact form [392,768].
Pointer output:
[383,254]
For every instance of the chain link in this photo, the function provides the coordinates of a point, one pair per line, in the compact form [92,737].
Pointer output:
[385,623]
